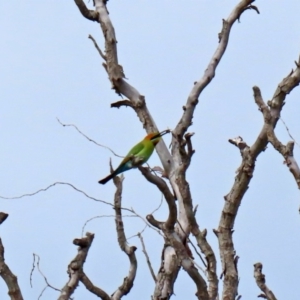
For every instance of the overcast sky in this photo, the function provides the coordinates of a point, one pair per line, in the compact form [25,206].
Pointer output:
[49,69]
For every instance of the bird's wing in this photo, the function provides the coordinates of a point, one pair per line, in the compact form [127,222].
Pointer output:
[133,153]
[136,149]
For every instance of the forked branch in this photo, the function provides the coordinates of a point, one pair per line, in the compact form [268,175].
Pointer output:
[75,268]
[89,14]
[285,151]
[244,175]
[182,160]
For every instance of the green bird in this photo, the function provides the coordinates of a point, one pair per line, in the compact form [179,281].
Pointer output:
[138,155]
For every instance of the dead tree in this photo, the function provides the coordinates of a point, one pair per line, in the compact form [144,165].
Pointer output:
[181,222]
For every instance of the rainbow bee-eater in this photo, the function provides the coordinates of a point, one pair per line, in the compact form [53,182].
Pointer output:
[138,155]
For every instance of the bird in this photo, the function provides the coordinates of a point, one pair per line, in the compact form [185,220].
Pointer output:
[138,155]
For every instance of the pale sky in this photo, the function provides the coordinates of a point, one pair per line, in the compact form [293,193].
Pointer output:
[50,69]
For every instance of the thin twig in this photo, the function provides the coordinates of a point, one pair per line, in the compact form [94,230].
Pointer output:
[147,256]
[88,138]
[85,194]
[42,292]
[45,278]
[33,267]
[160,204]
[97,47]
[288,131]
[147,225]
[188,239]
[103,216]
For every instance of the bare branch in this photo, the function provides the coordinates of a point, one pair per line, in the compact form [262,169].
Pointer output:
[76,265]
[88,138]
[89,14]
[188,240]
[97,47]
[45,278]
[147,225]
[182,160]
[92,288]
[162,186]
[167,274]
[154,222]
[67,184]
[10,279]
[32,270]
[243,178]
[120,103]
[209,74]
[248,7]
[190,225]
[86,195]
[116,76]
[3,217]
[42,292]
[42,274]
[103,216]
[238,142]
[224,232]
[125,288]
[288,131]
[285,87]
[190,150]
[115,71]
[147,257]
[160,204]
[285,151]
[188,265]
[261,282]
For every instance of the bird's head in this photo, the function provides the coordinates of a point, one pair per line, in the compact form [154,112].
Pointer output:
[155,137]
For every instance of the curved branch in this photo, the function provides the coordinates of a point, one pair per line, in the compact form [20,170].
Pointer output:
[89,14]
[7,275]
[88,138]
[261,282]
[92,288]
[42,274]
[162,186]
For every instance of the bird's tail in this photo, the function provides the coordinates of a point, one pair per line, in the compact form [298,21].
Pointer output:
[107,178]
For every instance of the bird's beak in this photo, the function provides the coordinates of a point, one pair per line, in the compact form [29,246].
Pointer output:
[161,134]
